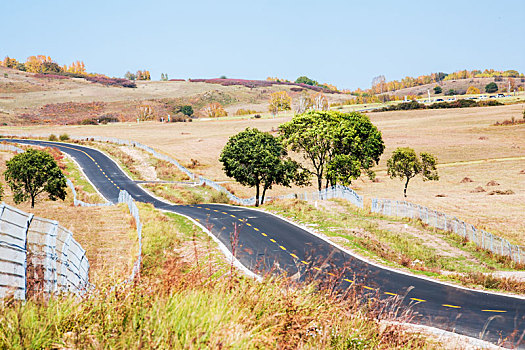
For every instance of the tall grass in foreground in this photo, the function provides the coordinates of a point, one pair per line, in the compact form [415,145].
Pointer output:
[186,298]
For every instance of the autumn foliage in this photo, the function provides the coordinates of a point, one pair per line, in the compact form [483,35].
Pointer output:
[279,101]
[472,90]
[214,110]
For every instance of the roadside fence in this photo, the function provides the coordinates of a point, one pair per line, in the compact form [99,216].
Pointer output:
[481,238]
[125,197]
[39,257]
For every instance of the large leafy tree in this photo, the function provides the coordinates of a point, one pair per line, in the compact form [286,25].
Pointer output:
[33,172]
[405,164]
[338,146]
[257,159]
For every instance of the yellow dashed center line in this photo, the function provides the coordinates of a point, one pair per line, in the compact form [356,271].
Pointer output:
[493,310]
[420,300]
[388,293]
[241,220]
[232,215]
[451,306]
[225,213]
[207,208]
[256,229]
[283,248]
[273,240]
[264,234]
[349,281]
[295,256]
[197,220]
[305,262]
[215,210]
[318,269]
[331,274]
[248,224]
[369,288]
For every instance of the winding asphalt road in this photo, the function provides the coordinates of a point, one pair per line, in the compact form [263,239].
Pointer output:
[267,243]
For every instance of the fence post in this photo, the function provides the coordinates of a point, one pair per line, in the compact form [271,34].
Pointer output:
[26,229]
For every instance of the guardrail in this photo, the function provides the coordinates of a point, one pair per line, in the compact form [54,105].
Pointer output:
[481,238]
[38,256]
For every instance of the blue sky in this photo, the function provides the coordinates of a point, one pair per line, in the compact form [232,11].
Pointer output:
[345,43]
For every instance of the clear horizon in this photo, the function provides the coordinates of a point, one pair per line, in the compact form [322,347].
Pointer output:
[344,43]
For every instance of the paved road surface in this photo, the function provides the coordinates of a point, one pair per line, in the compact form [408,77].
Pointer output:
[267,243]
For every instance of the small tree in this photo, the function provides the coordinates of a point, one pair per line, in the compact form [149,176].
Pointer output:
[438,90]
[472,90]
[33,172]
[214,110]
[405,164]
[130,76]
[491,87]
[279,101]
[257,159]
[187,110]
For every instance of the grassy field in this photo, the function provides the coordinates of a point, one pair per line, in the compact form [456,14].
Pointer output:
[106,233]
[464,141]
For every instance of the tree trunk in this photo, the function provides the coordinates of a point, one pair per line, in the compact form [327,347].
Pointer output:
[32,201]
[257,196]
[263,194]
[406,185]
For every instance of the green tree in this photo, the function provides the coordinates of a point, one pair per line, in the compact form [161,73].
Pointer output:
[491,87]
[130,76]
[33,172]
[438,90]
[305,80]
[338,146]
[405,164]
[257,159]
[186,110]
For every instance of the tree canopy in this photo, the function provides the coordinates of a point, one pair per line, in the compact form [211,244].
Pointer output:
[491,87]
[338,146]
[405,164]
[257,159]
[33,172]
[305,80]
[279,101]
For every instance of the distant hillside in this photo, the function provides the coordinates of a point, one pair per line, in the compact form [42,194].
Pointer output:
[29,98]
[460,86]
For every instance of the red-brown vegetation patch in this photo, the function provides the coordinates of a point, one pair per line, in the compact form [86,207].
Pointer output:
[492,183]
[506,192]
[466,179]
[478,190]
[65,113]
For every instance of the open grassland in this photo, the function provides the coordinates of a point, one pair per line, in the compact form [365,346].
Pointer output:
[464,141]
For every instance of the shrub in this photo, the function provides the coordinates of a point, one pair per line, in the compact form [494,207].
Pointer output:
[53,137]
[472,90]
[100,79]
[257,116]
[219,197]
[438,90]
[245,111]
[451,92]
[186,110]
[491,87]
[90,121]
[64,137]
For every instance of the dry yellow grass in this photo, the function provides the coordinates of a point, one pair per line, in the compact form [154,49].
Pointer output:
[454,136]
[106,233]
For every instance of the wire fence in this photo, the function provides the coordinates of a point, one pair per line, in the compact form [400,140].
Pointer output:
[125,197]
[39,257]
[481,238]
